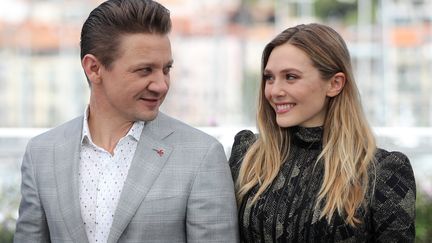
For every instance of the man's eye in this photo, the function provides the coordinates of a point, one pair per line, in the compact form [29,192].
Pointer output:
[145,71]
[167,70]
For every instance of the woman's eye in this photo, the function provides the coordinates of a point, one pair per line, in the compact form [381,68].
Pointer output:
[290,77]
[267,77]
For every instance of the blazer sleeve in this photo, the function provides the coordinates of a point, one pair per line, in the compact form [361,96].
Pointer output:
[211,209]
[393,205]
[31,224]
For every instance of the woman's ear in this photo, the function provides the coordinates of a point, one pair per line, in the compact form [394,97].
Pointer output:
[337,82]
[92,68]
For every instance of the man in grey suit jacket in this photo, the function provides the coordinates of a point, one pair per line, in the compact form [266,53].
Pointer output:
[125,172]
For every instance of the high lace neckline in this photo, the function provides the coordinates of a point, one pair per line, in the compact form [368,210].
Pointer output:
[307,137]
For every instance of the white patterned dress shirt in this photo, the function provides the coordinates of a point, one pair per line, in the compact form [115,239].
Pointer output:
[101,179]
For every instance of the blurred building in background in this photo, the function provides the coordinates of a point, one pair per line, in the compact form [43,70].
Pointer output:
[407,62]
[217,50]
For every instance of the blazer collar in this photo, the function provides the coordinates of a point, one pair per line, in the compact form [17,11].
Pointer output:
[150,157]
[66,168]
[159,128]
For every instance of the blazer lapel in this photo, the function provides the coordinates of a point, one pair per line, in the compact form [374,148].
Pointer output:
[66,167]
[150,157]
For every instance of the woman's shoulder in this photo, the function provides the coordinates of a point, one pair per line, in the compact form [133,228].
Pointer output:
[242,141]
[392,160]
[394,176]
[382,154]
[244,137]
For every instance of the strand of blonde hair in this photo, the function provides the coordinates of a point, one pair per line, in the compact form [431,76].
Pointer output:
[263,160]
[347,155]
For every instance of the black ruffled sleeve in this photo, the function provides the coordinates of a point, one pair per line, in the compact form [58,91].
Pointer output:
[242,141]
[393,205]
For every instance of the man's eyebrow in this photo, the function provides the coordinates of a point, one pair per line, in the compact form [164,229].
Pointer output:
[150,64]
[170,63]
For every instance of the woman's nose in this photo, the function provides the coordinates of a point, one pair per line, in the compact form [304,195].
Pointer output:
[277,89]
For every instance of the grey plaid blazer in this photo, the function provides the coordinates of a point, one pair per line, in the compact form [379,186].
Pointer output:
[185,194]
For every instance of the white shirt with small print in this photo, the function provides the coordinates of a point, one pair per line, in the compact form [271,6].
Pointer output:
[101,179]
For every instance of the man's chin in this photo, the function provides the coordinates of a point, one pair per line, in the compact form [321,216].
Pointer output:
[149,116]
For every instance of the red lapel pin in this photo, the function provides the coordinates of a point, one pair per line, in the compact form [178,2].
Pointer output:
[160,152]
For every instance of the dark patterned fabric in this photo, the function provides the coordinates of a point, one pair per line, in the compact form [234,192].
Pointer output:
[286,211]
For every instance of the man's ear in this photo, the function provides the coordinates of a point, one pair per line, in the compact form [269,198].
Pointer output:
[337,82]
[92,68]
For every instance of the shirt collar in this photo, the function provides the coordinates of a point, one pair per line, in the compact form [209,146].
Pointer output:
[85,132]
[134,131]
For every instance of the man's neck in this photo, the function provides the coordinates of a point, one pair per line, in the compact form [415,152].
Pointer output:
[106,130]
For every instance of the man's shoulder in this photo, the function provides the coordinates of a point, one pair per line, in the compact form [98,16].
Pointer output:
[185,131]
[60,132]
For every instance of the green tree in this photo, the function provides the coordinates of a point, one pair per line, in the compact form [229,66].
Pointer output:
[423,217]
[344,10]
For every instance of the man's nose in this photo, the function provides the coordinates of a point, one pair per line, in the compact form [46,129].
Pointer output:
[159,83]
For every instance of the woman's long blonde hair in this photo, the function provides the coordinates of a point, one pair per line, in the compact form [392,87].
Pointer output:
[348,142]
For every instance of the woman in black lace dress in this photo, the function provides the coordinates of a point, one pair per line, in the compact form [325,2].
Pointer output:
[314,173]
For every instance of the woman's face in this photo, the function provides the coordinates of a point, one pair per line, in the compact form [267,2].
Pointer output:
[294,88]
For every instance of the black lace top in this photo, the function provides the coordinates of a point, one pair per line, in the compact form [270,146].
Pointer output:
[285,212]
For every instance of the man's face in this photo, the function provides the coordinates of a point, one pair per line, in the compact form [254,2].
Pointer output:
[137,82]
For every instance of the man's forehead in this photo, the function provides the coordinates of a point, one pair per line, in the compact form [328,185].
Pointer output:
[151,45]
